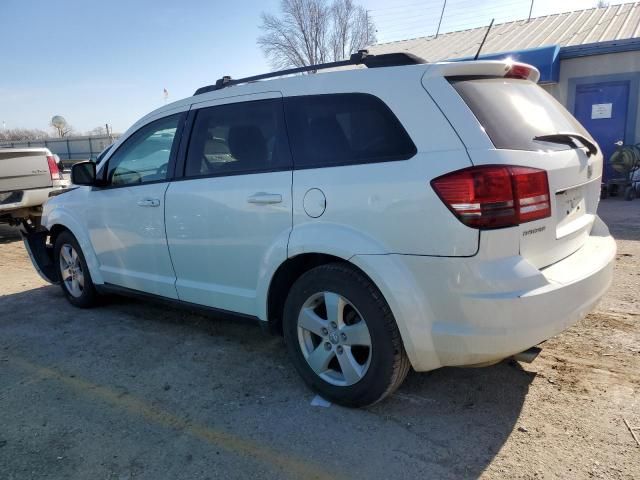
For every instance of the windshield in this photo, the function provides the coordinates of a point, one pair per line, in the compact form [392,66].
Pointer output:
[514,111]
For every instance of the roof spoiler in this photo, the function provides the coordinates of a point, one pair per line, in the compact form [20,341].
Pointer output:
[483,68]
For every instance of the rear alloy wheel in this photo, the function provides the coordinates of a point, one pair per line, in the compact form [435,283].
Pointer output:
[75,279]
[334,339]
[342,337]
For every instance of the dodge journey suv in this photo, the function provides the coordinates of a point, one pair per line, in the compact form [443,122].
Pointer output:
[405,215]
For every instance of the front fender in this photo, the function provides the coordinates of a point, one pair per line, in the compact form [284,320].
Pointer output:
[60,215]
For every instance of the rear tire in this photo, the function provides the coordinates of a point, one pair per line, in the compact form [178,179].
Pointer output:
[604,192]
[342,338]
[629,193]
[75,278]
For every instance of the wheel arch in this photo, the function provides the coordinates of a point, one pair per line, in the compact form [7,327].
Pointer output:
[283,279]
[58,221]
[396,285]
[56,230]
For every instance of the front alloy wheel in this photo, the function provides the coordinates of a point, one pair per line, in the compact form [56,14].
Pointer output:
[71,272]
[75,278]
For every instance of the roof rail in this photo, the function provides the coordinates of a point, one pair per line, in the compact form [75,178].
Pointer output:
[362,57]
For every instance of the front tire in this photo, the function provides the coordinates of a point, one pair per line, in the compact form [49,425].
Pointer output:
[75,278]
[342,337]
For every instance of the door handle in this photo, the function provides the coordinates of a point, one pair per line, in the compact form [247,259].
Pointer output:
[262,198]
[149,202]
[619,143]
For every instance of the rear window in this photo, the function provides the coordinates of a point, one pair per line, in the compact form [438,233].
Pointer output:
[339,129]
[514,111]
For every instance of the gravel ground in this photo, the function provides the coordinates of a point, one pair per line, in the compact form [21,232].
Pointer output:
[135,390]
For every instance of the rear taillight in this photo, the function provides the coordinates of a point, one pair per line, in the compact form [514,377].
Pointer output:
[53,168]
[495,196]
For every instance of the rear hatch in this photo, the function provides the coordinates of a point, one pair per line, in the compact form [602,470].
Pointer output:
[523,125]
[24,169]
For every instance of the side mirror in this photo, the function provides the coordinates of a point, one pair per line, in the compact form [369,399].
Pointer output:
[83,173]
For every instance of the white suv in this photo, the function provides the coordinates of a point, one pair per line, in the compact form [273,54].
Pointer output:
[384,218]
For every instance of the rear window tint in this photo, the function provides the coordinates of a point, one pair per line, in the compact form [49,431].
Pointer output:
[338,129]
[514,111]
[237,138]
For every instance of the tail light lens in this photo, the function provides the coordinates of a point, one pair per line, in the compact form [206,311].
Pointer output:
[53,168]
[495,196]
[519,71]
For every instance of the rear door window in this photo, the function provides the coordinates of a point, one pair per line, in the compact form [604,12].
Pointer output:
[339,129]
[514,111]
[238,138]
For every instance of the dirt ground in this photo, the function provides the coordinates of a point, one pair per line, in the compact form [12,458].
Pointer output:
[136,390]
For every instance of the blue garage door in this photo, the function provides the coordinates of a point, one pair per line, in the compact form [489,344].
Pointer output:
[602,109]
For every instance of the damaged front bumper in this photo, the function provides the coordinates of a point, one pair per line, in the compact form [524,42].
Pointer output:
[36,241]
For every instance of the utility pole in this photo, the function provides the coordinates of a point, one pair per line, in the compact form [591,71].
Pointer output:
[530,11]
[366,19]
[444,5]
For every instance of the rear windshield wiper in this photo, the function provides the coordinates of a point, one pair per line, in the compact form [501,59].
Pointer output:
[570,139]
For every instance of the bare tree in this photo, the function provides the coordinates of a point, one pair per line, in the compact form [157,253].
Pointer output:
[313,31]
[351,29]
[101,130]
[21,134]
[61,126]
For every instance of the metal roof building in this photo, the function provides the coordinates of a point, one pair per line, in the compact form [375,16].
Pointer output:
[588,59]
[582,27]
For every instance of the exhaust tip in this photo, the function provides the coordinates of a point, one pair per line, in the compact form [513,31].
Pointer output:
[527,356]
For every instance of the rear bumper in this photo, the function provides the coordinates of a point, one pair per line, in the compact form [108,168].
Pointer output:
[27,199]
[476,310]
[500,325]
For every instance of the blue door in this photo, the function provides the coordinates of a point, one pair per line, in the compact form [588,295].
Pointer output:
[602,109]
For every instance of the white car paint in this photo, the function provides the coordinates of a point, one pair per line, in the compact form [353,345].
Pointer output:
[221,240]
[129,238]
[459,295]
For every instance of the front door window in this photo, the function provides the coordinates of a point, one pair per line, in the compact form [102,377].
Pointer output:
[145,156]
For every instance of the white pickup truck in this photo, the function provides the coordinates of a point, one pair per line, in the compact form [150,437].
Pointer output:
[27,178]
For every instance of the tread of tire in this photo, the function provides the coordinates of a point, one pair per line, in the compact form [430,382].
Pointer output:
[401,364]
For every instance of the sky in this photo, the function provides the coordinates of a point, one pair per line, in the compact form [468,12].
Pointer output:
[108,62]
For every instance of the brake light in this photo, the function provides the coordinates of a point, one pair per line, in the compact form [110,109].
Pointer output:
[53,168]
[495,196]
[519,71]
